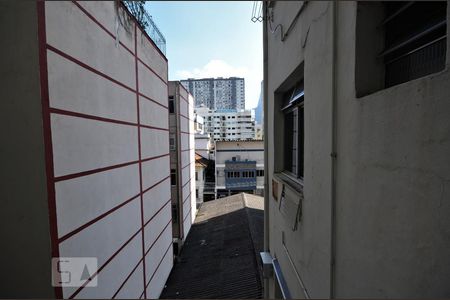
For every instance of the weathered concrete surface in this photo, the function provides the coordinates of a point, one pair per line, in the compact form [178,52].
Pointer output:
[218,259]
[392,174]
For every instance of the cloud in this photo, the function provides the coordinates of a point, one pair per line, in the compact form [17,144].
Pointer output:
[214,68]
[219,68]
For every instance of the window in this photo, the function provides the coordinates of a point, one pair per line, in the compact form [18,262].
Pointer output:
[196,193]
[260,173]
[171,105]
[415,39]
[196,176]
[172,142]
[398,41]
[292,108]
[173,177]
[174,213]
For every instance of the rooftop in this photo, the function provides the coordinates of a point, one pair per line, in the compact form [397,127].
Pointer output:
[218,259]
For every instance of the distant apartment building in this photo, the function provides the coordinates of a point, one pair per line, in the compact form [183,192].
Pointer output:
[201,164]
[228,124]
[202,139]
[217,93]
[239,167]
[358,149]
[203,145]
[182,162]
[87,172]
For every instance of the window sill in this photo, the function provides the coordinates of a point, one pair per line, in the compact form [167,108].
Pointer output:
[294,183]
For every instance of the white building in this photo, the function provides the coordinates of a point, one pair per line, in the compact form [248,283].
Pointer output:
[217,93]
[86,169]
[239,167]
[228,124]
[182,162]
[358,165]
[201,164]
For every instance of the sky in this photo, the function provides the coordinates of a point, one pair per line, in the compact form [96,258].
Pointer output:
[212,39]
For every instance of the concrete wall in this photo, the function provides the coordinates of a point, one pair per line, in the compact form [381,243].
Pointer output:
[226,150]
[25,230]
[200,182]
[393,146]
[202,145]
[182,124]
[392,169]
[105,119]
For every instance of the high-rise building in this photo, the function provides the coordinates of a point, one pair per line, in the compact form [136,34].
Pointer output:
[228,124]
[217,93]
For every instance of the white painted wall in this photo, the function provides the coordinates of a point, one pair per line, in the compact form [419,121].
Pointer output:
[183,158]
[92,83]
[392,169]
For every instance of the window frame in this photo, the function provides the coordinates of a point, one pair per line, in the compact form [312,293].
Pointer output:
[293,106]
[173,177]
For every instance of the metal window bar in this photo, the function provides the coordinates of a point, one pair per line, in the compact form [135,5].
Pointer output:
[396,13]
[412,38]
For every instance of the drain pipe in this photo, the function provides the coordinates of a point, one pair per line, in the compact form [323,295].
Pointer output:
[266,142]
[333,153]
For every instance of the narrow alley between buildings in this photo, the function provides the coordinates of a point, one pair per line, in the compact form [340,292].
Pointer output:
[219,257]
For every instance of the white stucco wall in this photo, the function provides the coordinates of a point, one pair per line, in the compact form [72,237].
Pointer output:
[183,159]
[392,169]
[110,145]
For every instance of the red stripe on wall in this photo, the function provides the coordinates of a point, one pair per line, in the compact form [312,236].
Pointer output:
[91,117]
[181,115]
[186,166]
[140,155]
[151,70]
[186,183]
[153,127]
[157,212]
[182,96]
[190,210]
[154,157]
[157,238]
[95,220]
[149,188]
[157,267]
[101,25]
[185,132]
[98,170]
[93,171]
[104,264]
[43,76]
[126,279]
[87,67]
[102,119]
[187,197]
[152,100]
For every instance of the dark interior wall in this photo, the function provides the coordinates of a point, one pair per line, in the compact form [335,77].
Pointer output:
[24,224]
